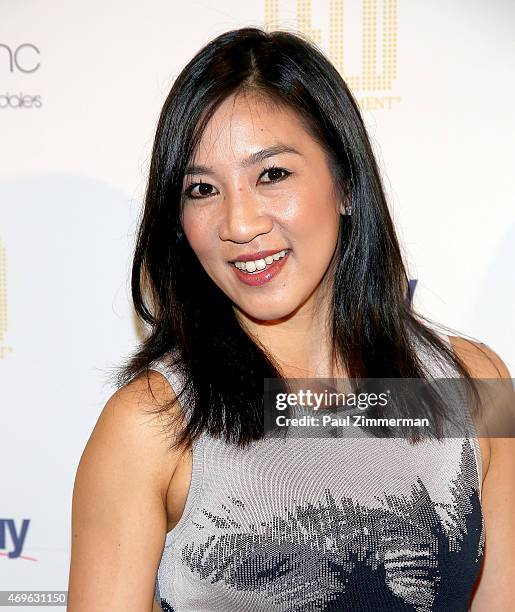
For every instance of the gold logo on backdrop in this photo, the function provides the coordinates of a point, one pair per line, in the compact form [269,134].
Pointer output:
[379,64]
[3,302]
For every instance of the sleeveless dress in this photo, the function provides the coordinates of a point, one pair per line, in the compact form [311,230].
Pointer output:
[332,524]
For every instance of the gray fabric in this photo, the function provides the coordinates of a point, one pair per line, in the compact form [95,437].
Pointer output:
[326,524]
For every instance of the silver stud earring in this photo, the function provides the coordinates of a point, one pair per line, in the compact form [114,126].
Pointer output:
[347,209]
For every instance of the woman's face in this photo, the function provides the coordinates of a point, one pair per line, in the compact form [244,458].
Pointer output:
[260,182]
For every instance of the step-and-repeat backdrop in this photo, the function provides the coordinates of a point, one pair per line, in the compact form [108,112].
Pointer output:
[81,86]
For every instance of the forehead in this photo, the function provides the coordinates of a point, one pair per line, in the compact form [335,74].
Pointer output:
[246,122]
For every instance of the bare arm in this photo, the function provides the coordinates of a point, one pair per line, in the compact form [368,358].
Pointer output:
[495,587]
[119,504]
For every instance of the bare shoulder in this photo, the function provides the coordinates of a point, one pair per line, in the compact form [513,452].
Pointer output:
[493,589]
[481,360]
[119,518]
[128,425]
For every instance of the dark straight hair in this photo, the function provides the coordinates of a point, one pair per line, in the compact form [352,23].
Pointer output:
[192,325]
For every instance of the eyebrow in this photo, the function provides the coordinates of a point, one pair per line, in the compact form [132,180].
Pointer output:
[252,159]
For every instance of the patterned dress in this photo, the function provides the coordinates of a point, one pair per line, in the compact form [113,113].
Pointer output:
[326,524]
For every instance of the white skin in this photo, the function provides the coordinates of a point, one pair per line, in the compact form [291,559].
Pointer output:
[241,209]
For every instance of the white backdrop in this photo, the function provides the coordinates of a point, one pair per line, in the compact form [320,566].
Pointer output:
[81,86]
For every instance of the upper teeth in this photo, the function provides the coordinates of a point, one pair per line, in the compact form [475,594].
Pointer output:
[259,264]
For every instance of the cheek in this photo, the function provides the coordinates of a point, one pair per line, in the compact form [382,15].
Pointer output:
[316,235]
[316,223]
[196,230]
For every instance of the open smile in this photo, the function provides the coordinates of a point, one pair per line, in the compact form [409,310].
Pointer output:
[257,273]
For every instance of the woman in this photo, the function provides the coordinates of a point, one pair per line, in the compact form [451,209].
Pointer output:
[266,250]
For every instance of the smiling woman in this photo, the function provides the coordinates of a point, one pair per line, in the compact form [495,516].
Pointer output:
[266,251]
[280,200]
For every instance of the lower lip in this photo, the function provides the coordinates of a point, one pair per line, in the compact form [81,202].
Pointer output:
[266,275]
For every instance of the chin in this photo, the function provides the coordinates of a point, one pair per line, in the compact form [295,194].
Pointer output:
[267,312]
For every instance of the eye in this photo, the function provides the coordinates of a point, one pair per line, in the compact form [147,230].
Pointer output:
[204,190]
[274,174]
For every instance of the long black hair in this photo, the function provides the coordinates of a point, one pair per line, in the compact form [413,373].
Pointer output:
[191,322]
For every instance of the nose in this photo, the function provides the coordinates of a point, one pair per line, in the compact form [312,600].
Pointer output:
[243,217]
